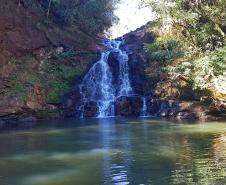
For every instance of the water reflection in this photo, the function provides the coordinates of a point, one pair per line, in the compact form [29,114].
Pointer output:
[114,152]
[116,169]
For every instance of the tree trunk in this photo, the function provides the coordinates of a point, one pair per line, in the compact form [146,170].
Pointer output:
[48,11]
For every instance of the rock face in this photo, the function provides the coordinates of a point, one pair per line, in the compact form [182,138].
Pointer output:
[35,61]
[138,59]
[24,30]
[136,71]
[11,106]
[17,27]
[114,66]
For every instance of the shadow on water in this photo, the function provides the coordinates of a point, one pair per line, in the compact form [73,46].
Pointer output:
[113,151]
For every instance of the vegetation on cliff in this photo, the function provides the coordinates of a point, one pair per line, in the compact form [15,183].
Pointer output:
[45,47]
[90,16]
[191,40]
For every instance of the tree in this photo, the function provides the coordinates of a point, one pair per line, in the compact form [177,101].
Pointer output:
[91,16]
[201,22]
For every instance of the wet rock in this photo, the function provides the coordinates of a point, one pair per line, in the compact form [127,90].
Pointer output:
[163,108]
[71,103]
[129,105]
[191,116]
[136,72]
[173,111]
[114,66]
[164,113]
[153,106]
[90,109]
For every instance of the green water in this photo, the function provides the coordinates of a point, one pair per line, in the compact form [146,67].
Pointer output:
[113,152]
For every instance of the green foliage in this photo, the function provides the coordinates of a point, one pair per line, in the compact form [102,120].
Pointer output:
[201,26]
[218,61]
[22,87]
[55,76]
[202,71]
[91,16]
[67,73]
[164,49]
[65,76]
[66,54]
[58,89]
[19,90]
[70,54]
[46,114]
[201,23]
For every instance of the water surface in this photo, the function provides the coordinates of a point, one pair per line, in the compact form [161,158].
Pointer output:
[113,151]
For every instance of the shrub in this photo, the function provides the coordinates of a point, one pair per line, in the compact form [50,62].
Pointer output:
[70,53]
[64,76]
[91,16]
[165,49]
[202,71]
[58,89]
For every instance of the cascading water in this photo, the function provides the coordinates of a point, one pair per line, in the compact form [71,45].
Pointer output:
[144,109]
[97,86]
[125,86]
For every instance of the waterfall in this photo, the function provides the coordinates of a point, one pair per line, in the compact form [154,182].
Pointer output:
[125,86]
[144,111]
[97,86]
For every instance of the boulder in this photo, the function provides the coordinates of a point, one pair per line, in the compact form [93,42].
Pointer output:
[128,105]
[71,103]
[90,109]
[153,106]
[189,116]
[162,108]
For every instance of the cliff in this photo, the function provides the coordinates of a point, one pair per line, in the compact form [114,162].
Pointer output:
[167,97]
[39,61]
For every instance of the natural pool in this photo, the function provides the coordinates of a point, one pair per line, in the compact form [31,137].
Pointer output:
[113,151]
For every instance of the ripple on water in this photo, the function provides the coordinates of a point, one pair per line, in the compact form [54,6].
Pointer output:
[119,175]
[135,153]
